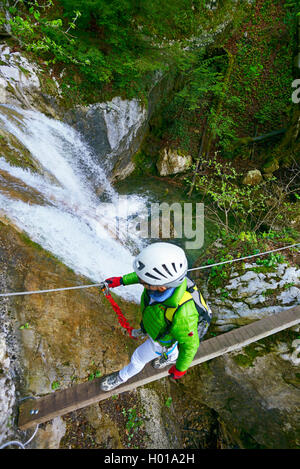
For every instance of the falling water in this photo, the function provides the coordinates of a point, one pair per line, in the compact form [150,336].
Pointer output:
[73,222]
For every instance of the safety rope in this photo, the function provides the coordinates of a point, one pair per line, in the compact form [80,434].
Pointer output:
[189,270]
[51,290]
[19,443]
[121,318]
[246,257]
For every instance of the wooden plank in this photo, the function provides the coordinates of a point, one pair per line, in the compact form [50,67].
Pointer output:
[33,412]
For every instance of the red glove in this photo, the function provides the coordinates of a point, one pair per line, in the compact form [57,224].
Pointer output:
[175,373]
[114,282]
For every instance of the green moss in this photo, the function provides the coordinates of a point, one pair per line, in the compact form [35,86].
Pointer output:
[143,164]
[243,360]
[262,347]
[262,269]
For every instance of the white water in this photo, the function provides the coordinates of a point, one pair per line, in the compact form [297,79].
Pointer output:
[73,224]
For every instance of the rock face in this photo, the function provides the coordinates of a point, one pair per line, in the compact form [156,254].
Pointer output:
[22,84]
[172,162]
[63,339]
[50,341]
[7,391]
[114,129]
[257,404]
[255,294]
[18,78]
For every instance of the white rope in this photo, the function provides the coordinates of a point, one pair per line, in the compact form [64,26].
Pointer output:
[51,290]
[189,270]
[18,443]
[242,258]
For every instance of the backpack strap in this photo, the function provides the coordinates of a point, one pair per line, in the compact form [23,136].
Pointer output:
[201,307]
[199,301]
[169,313]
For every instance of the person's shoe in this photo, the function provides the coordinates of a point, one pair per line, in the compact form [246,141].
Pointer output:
[111,382]
[162,361]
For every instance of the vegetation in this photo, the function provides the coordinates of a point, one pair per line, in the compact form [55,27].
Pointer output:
[118,43]
[238,207]
[236,245]
[234,89]
[228,90]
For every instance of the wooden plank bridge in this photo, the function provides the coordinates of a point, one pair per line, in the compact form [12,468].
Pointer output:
[36,411]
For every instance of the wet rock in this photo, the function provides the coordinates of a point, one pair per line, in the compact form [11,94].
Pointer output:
[67,336]
[114,129]
[18,78]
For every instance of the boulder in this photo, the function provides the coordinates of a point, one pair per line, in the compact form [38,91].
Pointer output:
[253,177]
[172,162]
[271,166]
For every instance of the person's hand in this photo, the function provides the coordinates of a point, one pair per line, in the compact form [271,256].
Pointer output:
[113,282]
[176,374]
[138,333]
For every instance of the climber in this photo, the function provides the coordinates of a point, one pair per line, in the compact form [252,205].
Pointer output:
[170,318]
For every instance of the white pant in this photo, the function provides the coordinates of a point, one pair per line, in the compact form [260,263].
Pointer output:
[144,354]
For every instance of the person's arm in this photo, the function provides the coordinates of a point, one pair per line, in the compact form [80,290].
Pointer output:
[184,330]
[130,279]
[127,279]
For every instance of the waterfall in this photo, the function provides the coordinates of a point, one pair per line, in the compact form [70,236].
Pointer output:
[75,214]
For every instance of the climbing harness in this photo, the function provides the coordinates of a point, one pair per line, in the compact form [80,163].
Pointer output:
[121,318]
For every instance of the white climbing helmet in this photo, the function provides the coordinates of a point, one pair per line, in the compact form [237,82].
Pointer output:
[161,264]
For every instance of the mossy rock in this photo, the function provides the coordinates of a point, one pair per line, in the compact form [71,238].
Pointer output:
[270,166]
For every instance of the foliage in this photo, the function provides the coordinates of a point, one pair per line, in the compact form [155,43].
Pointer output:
[133,423]
[254,99]
[168,402]
[25,326]
[55,385]
[117,42]
[239,207]
[237,245]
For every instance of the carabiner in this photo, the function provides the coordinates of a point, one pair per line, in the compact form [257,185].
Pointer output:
[104,288]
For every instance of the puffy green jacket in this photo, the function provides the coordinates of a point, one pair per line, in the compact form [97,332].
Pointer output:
[183,328]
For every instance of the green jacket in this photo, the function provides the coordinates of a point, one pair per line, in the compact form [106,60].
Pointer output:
[183,327]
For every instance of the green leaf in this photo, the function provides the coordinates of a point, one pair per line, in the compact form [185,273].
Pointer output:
[55,385]
[168,402]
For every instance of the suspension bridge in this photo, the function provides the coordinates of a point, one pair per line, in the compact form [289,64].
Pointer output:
[34,411]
